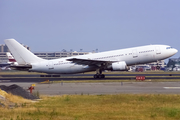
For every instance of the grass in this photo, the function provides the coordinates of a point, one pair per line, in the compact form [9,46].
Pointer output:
[12,101]
[98,107]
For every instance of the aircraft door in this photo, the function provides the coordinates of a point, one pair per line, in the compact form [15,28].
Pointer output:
[50,65]
[134,53]
[158,50]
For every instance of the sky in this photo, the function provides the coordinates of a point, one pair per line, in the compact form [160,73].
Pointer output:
[54,25]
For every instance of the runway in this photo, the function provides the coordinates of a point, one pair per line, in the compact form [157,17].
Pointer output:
[84,77]
[125,83]
[103,88]
[90,75]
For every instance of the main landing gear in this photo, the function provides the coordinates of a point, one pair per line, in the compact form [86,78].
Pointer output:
[99,74]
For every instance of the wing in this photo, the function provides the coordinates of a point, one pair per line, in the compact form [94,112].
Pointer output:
[90,62]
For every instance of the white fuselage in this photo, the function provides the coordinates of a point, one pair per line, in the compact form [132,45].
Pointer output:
[131,56]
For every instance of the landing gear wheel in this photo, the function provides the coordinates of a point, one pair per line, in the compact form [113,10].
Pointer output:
[158,67]
[96,76]
[101,76]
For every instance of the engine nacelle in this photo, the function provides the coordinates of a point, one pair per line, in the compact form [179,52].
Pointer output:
[119,66]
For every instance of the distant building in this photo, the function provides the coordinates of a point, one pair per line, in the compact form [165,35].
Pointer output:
[3,57]
[4,48]
[55,55]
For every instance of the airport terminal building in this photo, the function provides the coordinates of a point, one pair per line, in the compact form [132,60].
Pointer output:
[55,55]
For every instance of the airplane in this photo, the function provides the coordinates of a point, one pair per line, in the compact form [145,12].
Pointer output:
[115,60]
[11,59]
[4,66]
[7,68]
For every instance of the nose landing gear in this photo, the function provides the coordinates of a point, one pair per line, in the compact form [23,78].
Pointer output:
[158,66]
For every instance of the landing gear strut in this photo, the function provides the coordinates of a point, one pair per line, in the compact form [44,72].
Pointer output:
[99,74]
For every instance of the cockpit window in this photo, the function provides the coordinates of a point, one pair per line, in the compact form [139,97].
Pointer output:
[169,48]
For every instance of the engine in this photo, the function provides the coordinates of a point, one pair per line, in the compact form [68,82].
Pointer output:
[120,66]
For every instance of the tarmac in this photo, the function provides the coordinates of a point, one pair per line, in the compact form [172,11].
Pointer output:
[83,77]
[56,86]
[99,88]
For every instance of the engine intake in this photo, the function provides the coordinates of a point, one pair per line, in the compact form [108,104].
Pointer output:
[120,66]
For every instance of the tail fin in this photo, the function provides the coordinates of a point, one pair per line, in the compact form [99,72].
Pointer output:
[22,55]
[10,57]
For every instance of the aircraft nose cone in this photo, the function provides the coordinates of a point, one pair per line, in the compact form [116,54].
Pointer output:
[175,51]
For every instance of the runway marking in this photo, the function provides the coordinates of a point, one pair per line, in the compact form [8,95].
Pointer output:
[5,81]
[171,87]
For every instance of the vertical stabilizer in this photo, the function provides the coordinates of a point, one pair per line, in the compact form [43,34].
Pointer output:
[22,55]
[10,57]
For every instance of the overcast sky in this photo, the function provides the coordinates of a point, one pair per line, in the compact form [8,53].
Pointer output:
[54,25]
